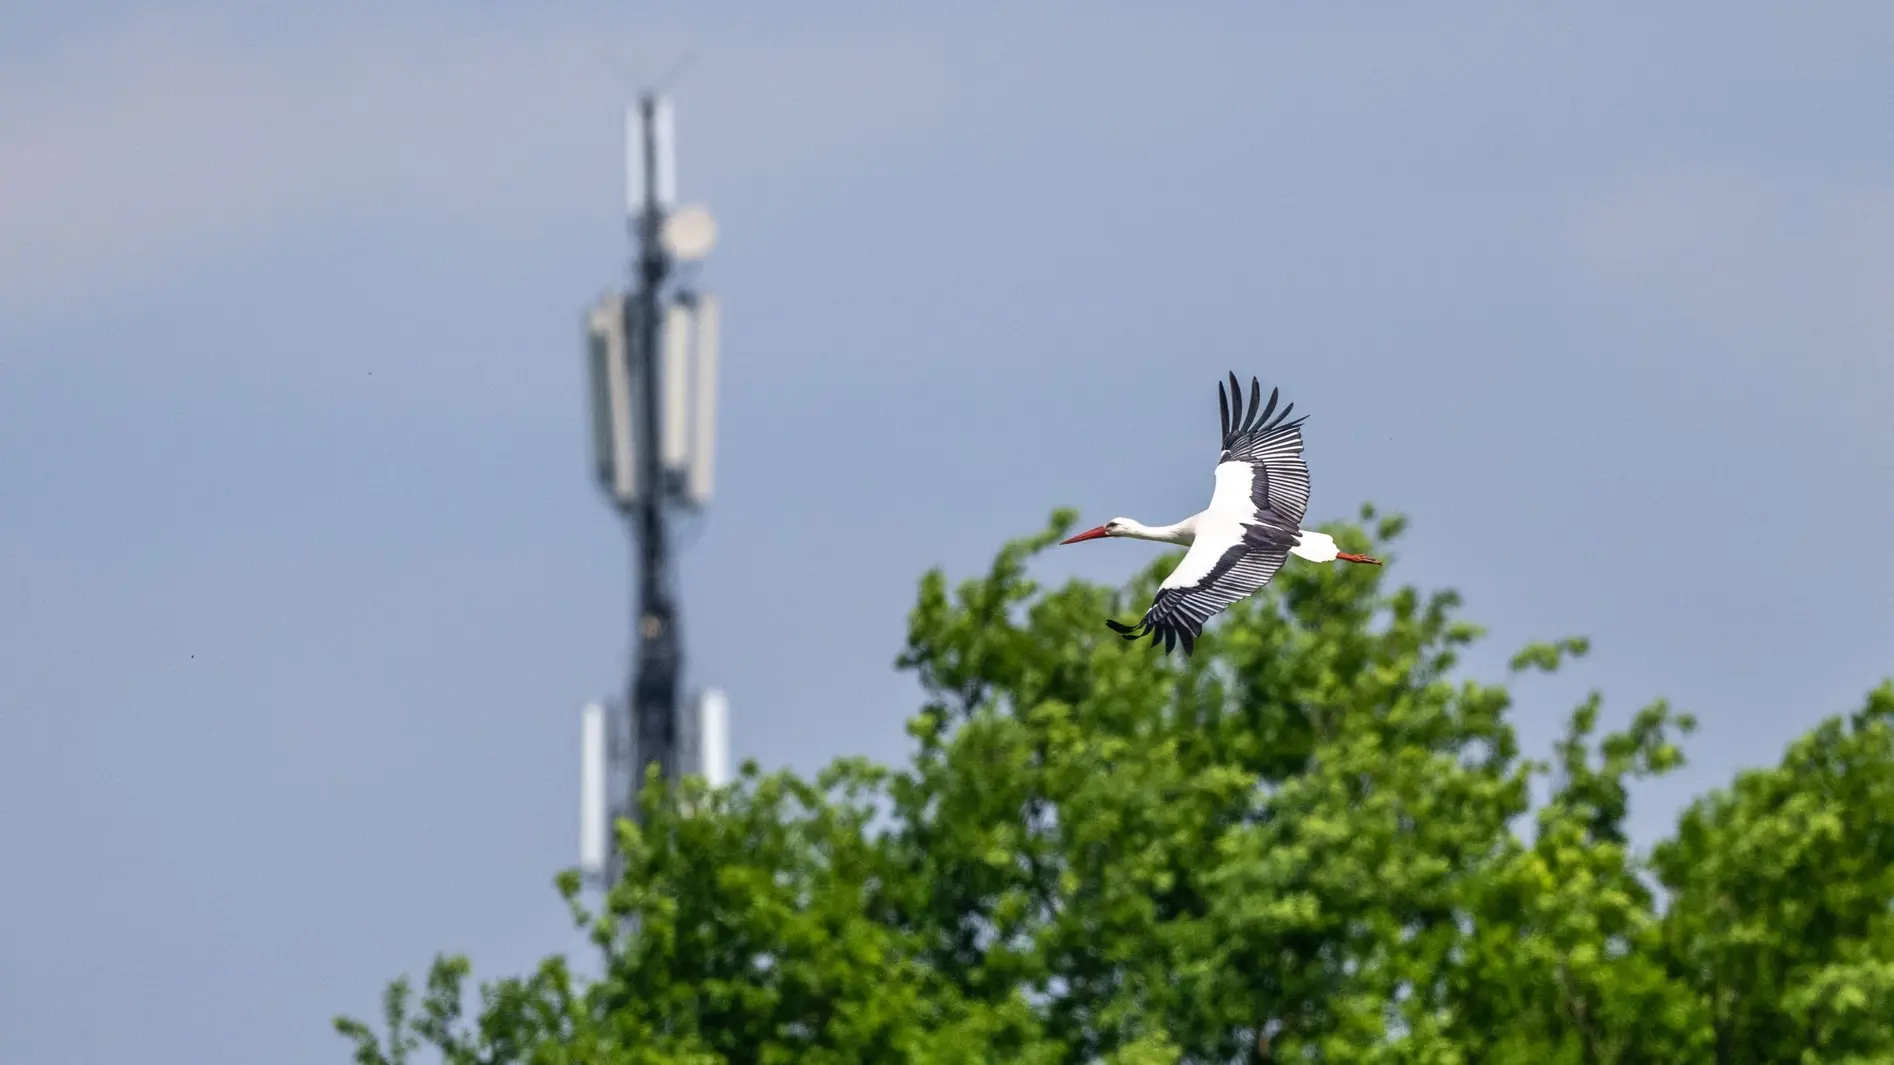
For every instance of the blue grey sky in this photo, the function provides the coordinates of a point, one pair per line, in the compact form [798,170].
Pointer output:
[303,580]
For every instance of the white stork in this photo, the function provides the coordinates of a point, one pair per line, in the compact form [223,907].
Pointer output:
[1252,526]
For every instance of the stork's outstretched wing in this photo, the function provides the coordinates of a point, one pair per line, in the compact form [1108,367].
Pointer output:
[1223,565]
[1261,476]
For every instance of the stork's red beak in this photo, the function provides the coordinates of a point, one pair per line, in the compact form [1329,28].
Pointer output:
[1089,534]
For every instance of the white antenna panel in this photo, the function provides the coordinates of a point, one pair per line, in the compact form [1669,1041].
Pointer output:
[704,423]
[593,820]
[634,160]
[664,144]
[598,326]
[619,386]
[614,448]
[677,382]
[713,730]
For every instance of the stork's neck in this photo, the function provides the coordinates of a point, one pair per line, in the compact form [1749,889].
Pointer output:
[1184,532]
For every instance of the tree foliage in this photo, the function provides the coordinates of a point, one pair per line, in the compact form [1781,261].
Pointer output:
[1301,844]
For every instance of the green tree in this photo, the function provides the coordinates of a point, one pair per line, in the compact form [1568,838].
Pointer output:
[1297,845]
[1782,911]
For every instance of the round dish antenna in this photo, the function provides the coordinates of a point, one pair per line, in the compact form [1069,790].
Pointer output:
[689,233]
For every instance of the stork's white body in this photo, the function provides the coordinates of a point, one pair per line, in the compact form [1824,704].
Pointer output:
[1248,531]
[1220,531]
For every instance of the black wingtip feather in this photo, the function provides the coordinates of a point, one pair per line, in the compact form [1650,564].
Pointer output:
[1166,638]
[1262,419]
[1253,417]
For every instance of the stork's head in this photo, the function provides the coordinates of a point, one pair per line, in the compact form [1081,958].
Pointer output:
[1114,527]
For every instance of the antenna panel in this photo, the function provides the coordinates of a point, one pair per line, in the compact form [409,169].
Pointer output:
[614,447]
[620,388]
[598,327]
[594,823]
[634,161]
[664,144]
[713,731]
[704,401]
[677,381]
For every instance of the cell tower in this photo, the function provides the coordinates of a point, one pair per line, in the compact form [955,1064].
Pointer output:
[651,355]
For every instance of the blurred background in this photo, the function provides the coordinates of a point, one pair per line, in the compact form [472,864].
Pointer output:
[303,578]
